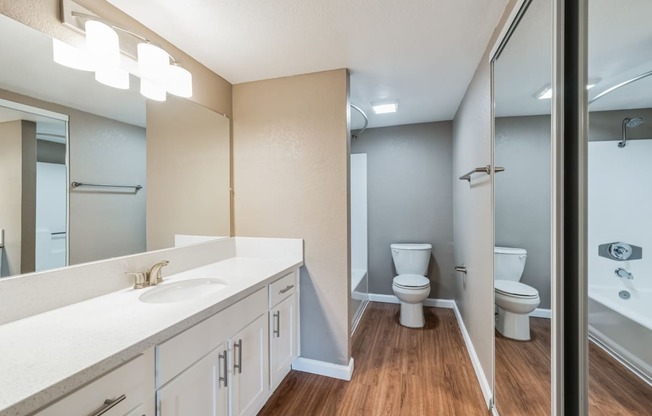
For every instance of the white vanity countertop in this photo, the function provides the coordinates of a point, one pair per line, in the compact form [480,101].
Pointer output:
[46,356]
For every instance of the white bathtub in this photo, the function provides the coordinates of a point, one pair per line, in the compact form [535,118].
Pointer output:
[359,296]
[624,327]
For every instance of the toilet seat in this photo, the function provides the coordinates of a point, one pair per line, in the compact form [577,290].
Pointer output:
[411,281]
[515,289]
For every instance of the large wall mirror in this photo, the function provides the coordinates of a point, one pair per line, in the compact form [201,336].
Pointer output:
[522,78]
[619,206]
[167,163]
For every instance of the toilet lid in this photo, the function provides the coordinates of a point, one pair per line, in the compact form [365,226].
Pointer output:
[511,288]
[411,281]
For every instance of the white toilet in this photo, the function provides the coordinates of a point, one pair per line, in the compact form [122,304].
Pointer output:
[411,286]
[515,300]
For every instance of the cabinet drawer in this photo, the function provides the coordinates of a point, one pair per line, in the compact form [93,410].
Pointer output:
[180,352]
[128,388]
[282,288]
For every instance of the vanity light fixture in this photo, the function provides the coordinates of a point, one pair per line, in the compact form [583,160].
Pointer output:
[159,72]
[384,108]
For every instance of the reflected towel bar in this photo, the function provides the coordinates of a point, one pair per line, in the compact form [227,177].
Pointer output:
[484,169]
[78,184]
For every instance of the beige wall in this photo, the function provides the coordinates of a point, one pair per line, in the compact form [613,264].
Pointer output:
[209,89]
[473,209]
[11,161]
[290,162]
[188,171]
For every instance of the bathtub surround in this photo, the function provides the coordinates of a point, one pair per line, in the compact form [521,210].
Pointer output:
[410,186]
[291,179]
[522,193]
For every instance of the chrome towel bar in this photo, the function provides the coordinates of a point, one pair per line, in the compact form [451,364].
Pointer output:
[483,169]
[95,185]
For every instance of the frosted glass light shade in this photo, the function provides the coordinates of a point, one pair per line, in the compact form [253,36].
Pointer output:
[152,90]
[153,62]
[113,77]
[179,81]
[68,55]
[102,44]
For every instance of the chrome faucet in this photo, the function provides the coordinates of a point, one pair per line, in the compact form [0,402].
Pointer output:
[620,272]
[154,273]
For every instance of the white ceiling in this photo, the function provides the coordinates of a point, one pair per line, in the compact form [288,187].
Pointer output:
[421,52]
[620,48]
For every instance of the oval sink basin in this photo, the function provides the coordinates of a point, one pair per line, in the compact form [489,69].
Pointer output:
[183,290]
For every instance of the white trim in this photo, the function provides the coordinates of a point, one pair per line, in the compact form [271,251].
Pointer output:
[541,313]
[479,372]
[432,303]
[323,368]
[33,110]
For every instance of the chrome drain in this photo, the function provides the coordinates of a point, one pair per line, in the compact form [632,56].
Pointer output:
[624,294]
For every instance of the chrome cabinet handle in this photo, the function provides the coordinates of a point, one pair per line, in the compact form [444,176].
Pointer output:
[461,269]
[225,367]
[286,289]
[238,366]
[277,319]
[108,405]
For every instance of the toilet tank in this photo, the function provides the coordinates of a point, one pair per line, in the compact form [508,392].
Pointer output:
[411,258]
[509,263]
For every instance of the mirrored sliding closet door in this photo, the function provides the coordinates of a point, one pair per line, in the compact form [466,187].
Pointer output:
[522,78]
[619,207]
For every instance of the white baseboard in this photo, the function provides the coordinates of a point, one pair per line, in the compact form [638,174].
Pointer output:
[479,372]
[433,303]
[359,316]
[541,313]
[323,368]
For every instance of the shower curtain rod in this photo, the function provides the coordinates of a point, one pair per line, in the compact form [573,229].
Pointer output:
[366,121]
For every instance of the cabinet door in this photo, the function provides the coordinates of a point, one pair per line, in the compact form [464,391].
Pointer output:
[250,368]
[199,390]
[282,339]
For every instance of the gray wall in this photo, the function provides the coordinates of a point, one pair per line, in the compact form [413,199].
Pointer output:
[409,182]
[522,195]
[607,125]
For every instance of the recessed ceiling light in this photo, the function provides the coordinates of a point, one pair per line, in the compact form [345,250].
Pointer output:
[384,108]
[544,93]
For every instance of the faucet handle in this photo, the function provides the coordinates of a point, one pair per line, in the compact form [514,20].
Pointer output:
[140,279]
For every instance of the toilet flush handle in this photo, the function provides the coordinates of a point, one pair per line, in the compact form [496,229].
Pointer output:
[461,269]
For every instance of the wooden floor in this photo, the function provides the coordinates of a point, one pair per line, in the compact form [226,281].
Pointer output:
[398,371]
[523,379]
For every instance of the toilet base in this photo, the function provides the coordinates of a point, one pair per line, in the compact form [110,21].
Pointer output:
[513,325]
[412,315]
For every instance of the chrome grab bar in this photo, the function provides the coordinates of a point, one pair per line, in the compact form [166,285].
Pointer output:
[108,405]
[483,169]
[136,188]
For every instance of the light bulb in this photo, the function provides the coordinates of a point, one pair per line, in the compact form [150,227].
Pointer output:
[153,62]
[102,44]
[113,77]
[179,81]
[68,55]
[152,90]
